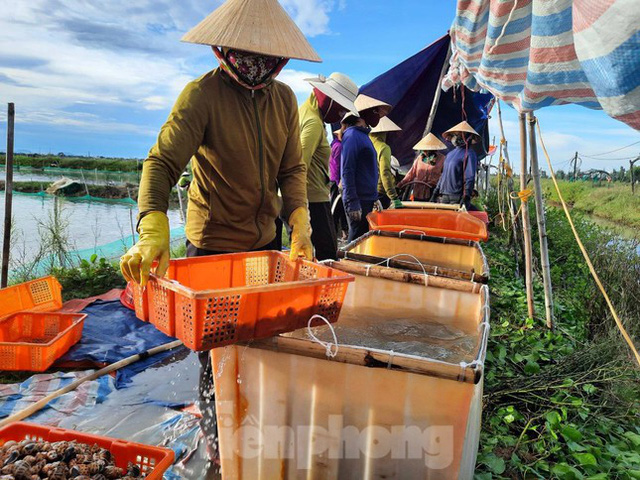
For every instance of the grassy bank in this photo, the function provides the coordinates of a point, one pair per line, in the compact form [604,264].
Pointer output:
[109,192]
[562,404]
[614,203]
[75,162]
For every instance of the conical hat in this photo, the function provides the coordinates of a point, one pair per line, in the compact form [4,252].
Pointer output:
[337,87]
[363,102]
[461,127]
[258,26]
[430,142]
[386,125]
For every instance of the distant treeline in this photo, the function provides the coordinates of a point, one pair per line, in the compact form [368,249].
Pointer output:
[75,162]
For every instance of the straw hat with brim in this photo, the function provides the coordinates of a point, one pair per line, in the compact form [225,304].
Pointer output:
[337,87]
[386,125]
[364,102]
[258,26]
[430,142]
[461,127]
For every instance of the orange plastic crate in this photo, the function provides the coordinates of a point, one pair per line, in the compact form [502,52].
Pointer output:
[140,301]
[34,340]
[43,294]
[437,223]
[209,302]
[153,461]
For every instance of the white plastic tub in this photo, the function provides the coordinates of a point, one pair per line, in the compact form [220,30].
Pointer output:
[286,410]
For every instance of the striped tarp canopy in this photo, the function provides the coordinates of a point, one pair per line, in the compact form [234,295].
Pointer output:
[537,53]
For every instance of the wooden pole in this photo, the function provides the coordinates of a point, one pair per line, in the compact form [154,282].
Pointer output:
[438,92]
[542,223]
[8,197]
[511,202]
[40,404]
[526,226]
[633,181]
[575,167]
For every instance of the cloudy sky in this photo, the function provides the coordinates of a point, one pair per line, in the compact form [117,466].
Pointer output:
[99,77]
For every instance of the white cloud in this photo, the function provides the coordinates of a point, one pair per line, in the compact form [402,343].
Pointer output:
[62,58]
[566,130]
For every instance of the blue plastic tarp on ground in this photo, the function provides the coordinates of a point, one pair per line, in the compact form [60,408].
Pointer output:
[410,87]
[112,332]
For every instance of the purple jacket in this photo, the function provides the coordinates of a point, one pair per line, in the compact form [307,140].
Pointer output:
[334,160]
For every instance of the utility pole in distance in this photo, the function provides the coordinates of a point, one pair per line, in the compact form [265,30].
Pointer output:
[575,166]
[631,164]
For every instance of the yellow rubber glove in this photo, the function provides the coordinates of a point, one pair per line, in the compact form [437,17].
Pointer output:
[301,245]
[152,245]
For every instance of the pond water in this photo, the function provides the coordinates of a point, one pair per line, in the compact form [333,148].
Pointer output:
[86,224]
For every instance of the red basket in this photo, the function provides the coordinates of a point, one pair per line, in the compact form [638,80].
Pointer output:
[34,340]
[43,295]
[153,461]
[209,302]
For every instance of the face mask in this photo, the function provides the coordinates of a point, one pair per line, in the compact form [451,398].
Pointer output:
[251,70]
[457,140]
[331,111]
[429,158]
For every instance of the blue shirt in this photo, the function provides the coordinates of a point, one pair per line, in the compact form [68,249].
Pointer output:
[359,168]
[451,182]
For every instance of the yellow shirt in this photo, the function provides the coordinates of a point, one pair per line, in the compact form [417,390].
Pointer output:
[315,150]
[386,179]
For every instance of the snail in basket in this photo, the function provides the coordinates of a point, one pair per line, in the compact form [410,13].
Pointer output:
[34,460]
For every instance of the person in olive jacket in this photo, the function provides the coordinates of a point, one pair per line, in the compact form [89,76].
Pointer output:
[240,129]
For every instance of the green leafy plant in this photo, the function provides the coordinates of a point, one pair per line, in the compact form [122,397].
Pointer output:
[91,277]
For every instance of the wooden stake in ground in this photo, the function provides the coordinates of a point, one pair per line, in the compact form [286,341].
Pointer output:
[631,164]
[8,197]
[526,226]
[542,223]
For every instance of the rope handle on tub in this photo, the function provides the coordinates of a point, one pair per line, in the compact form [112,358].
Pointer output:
[330,351]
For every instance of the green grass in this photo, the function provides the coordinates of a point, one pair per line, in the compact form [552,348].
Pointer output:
[563,404]
[614,203]
[75,162]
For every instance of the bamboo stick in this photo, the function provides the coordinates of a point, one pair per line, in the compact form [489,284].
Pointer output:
[376,271]
[8,197]
[542,224]
[40,404]
[526,226]
[370,358]
[438,93]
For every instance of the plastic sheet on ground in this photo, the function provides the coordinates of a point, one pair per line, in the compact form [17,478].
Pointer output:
[112,332]
[18,396]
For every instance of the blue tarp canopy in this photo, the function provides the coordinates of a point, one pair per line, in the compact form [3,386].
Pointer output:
[410,87]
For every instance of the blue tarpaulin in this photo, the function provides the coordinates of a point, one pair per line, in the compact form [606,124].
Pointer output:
[112,332]
[410,87]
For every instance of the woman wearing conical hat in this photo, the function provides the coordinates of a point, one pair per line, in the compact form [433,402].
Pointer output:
[387,192]
[332,97]
[460,166]
[239,128]
[426,169]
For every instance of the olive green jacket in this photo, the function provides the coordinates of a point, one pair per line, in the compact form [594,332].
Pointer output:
[315,150]
[243,146]
[386,180]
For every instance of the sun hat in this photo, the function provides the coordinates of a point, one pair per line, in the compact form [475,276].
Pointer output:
[430,142]
[461,127]
[386,125]
[257,26]
[338,87]
[364,102]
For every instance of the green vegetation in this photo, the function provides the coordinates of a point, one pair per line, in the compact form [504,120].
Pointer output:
[90,278]
[75,162]
[614,202]
[563,404]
